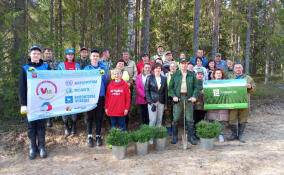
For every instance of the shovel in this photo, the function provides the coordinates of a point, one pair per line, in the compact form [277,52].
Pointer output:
[184,136]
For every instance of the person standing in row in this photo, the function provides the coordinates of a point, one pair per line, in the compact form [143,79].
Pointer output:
[52,64]
[239,117]
[69,64]
[140,89]
[169,112]
[36,129]
[83,59]
[211,68]
[200,53]
[156,91]
[98,112]
[184,88]
[160,50]
[117,90]
[219,62]
[140,65]
[105,59]
[199,66]
[222,115]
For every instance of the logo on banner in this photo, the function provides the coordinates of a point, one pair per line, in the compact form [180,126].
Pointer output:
[68,108]
[46,90]
[34,74]
[46,106]
[68,82]
[68,90]
[68,99]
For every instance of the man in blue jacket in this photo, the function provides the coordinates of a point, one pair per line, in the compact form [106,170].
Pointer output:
[99,110]
[199,53]
[36,129]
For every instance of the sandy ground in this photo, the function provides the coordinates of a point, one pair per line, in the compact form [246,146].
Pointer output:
[262,154]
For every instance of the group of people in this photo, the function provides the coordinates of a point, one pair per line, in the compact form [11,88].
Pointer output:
[165,89]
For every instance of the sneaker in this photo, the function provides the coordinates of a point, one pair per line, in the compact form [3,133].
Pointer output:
[221,138]
[90,142]
[99,141]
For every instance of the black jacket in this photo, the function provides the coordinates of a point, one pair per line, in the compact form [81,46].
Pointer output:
[152,93]
[23,82]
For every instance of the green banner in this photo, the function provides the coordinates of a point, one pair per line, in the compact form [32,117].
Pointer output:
[225,94]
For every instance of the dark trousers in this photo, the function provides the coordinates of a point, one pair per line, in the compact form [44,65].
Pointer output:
[96,113]
[37,129]
[198,115]
[118,121]
[144,113]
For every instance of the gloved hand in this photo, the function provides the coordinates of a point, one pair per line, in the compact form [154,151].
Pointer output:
[24,110]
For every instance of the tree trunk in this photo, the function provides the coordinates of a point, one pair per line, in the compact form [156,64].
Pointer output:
[267,60]
[140,28]
[216,27]
[74,28]
[118,29]
[19,35]
[60,29]
[196,26]
[83,30]
[272,67]
[131,34]
[106,24]
[147,27]
[247,58]
[51,22]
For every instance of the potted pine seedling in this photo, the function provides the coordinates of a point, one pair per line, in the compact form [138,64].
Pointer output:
[141,138]
[208,131]
[119,141]
[160,138]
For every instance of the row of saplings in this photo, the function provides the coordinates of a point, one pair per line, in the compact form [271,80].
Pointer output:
[119,140]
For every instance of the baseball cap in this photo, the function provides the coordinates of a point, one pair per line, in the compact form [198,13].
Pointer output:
[69,51]
[35,48]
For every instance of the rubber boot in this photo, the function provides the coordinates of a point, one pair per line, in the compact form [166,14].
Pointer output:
[41,142]
[73,127]
[175,134]
[99,141]
[90,142]
[49,122]
[33,148]
[234,133]
[190,133]
[195,134]
[240,132]
[66,129]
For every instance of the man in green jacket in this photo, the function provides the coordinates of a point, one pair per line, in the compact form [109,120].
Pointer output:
[239,117]
[184,88]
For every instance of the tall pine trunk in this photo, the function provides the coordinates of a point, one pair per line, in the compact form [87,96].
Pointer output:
[147,27]
[51,22]
[60,29]
[215,30]
[247,58]
[106,24]
[196,26]
[83,30]
[131,33]
[118,28]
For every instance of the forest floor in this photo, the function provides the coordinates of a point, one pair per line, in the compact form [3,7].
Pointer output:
[263,153]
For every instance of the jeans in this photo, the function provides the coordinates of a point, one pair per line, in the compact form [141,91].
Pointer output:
[157,116]
[118,121]
[144,113]
[98,114]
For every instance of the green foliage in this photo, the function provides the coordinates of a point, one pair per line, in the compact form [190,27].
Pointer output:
[160,132]
[208,130]
[116,137]
[144,134]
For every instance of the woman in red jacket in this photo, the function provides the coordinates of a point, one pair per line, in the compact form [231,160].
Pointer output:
[117,102]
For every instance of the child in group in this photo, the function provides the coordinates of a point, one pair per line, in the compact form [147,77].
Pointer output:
[117,91]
